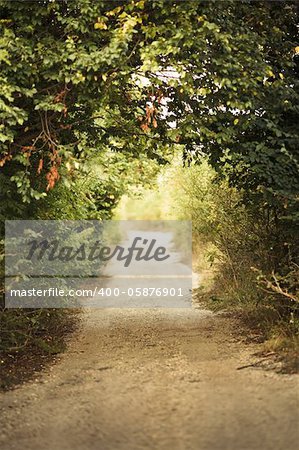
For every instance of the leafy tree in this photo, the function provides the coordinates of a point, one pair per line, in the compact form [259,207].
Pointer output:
[72,81]
[67,88]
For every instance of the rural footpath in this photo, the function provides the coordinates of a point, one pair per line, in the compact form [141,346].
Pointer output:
[159,379]
[153,379]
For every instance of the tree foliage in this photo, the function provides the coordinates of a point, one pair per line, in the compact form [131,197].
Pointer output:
[72,82]
[68,89]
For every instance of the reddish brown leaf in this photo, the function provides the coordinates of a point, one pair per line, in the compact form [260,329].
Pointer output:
[40,166]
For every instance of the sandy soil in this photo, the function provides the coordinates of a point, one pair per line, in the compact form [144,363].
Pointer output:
[153,379]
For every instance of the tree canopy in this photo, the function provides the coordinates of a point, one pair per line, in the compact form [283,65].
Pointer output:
[139,77]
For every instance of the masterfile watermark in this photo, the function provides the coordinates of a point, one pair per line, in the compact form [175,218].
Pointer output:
[144,250]
[54,264]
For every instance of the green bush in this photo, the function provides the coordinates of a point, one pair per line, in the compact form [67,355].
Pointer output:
[245,240]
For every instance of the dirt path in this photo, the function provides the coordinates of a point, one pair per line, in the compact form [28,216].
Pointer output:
[153,379]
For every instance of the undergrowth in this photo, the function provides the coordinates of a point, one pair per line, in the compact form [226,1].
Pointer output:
[247,254]
[29,339]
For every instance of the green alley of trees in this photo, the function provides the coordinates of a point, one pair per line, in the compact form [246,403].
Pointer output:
[97,96]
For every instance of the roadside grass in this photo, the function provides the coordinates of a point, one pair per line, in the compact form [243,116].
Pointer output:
[271,321]
[30,339]
[246,256]
[273,324]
